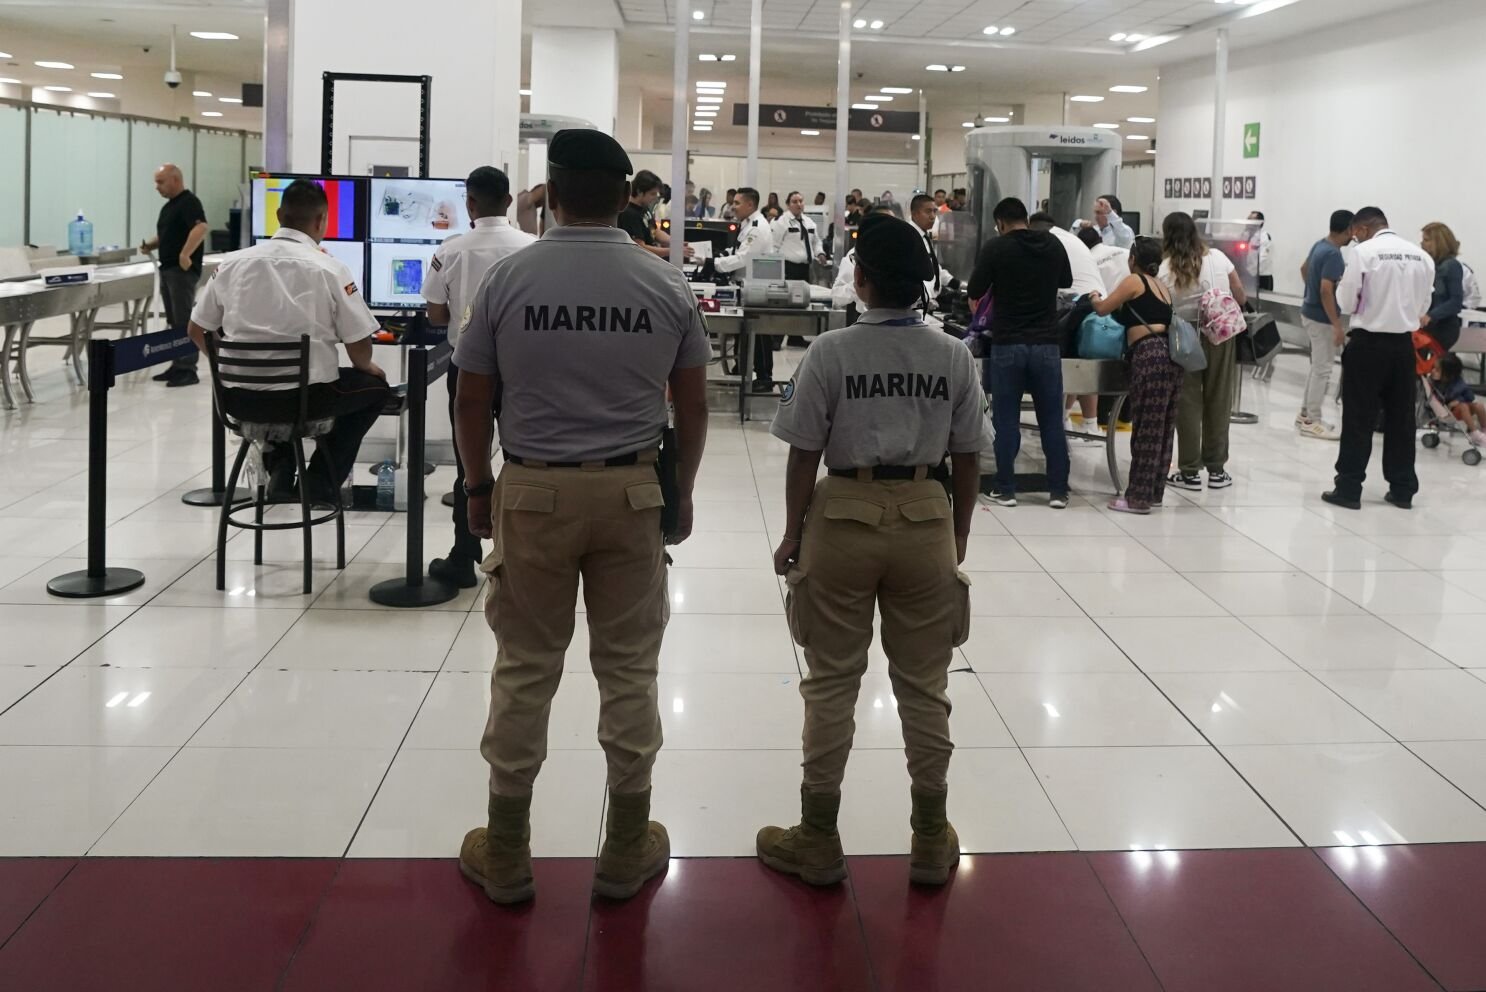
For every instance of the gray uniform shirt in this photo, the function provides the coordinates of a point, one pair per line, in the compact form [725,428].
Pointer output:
[582,330]
[881,392]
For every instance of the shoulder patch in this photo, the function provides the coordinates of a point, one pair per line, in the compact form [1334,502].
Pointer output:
[350,289]
[787,393]
[437,263]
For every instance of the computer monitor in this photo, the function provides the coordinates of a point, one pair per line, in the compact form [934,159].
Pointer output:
[769,268]
[409,219]
[345,226]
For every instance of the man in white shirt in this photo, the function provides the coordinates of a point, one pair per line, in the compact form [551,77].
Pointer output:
[1086,277]
[276,291]
[1263,253]
[1387,288]
[754,239]
[455,273]
[1107,221]
[923,213]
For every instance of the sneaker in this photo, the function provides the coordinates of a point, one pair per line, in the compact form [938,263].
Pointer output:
[1319,430]
[1121,505]
[1002,499]
[1058,502]
[1183,481]
[1219,480]
[1336,499]
[1402,502]
[1301,420]
[1478,438]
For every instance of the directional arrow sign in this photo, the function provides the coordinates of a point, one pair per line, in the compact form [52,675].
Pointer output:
[1251,141]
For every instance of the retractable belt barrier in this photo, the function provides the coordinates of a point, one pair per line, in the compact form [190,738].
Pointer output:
[425,365]
[106,361]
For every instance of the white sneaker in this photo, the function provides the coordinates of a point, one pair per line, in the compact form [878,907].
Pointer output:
[1320,430]
[1478,438]
[1301,420]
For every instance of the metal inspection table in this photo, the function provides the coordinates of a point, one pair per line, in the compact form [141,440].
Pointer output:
[1084,376]
[745,323]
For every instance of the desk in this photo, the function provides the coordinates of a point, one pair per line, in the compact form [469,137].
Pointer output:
[745,323]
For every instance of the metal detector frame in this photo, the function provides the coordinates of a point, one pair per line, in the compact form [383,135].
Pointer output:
[327,114]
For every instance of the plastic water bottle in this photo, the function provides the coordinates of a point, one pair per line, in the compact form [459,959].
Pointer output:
[386,485]
[80,236]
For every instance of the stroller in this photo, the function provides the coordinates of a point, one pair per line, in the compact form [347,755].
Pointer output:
[1433,414]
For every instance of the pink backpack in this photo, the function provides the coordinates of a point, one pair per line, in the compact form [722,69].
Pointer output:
[1219,316]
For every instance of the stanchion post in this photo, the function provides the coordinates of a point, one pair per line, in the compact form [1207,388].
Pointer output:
[97,579]
[216,493]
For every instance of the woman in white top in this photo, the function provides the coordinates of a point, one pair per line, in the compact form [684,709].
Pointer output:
[1190,268]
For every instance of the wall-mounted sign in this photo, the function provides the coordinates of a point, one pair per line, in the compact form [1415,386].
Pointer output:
[1251,140]
[1250,187]
[824,118]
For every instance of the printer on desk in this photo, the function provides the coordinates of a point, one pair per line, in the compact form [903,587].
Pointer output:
[766,287]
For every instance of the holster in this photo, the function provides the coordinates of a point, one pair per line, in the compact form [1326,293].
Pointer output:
[665,470]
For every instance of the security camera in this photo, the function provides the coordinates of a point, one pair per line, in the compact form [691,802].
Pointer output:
[172,79]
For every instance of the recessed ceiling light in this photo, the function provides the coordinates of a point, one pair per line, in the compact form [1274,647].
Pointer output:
[936,67]
[1007,32]
[214,35]
[54,65]
[709,99]
[1135,37]
[698,15]
[102,96]
[1137,137]
[706,57]
[105,75]
[916,137]
[5,55]
[811,134]
[1085,98]
[58,89]
[875,25]
[1110,127]
[211,113]
[704,112]
[997,120]
[859,23]
[968,124]
[956,68]
[989,29]
[1140,120]
[710,91]
[229,99]
[878,98]
[1150,151]
[702,83]
[730,58]
[1128,89]
[864,106]
[900,90]
[704,130]
[1118,36]
[9,79]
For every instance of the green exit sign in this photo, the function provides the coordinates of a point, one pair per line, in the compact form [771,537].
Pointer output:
[1251,141]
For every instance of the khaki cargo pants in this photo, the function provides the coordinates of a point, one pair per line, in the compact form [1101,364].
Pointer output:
[551,526]
[888,545]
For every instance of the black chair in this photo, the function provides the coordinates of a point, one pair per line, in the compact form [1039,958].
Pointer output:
[281,364]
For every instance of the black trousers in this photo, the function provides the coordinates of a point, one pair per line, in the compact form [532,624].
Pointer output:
[466,545]
[763,358]
[355,400]
[1377,375]
[178,294]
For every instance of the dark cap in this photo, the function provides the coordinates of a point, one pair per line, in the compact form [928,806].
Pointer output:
[887,246]
[588,150]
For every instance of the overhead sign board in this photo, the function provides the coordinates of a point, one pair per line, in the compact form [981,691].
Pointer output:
[824,118]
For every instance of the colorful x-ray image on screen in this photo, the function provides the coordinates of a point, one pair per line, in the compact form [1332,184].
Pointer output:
[341,194]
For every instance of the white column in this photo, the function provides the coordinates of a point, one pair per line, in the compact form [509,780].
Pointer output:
[1220,123]
[755,58]
[575,73]
[923,137]
[475,106]
[680,105]
[843,124]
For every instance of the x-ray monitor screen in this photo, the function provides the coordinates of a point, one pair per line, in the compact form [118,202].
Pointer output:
[423,211]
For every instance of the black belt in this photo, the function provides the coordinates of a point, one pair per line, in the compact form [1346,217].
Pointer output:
[893,472]
[618,461]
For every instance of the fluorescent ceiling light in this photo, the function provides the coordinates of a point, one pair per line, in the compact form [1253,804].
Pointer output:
[229,99]
[1137,137]
[214,35]
[523,92]
[1140,120]
[706,57]
[1085,98]
[956,68]
[5,55]
[200,93]
[1007,32]
[711,91]
[997,120]
[968,124]
[211,113]
[101,75]
[989,29]
[936,67]
[900,90]
[701,83]
[864,106]
[1155,42]
[58,89]
[54,65]
[1150,151]
[9,79]
[875,25]
[709,99]
[878,98]
[730,58]
[859,23]
[102,96]
[1134,37]
[704,112]
[698,15]
[916,137]
[1118,36]
[1110,127]
[1128,89]
[811,134]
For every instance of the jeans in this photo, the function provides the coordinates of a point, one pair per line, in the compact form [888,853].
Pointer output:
[1377,372]
[1011,371]
[178,294]
[1323,359]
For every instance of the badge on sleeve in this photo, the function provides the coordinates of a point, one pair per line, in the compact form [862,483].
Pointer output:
[350,288]
[787,393]
[437,264]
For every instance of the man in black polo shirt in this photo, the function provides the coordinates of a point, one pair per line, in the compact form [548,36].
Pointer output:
[634,220]
[179,234]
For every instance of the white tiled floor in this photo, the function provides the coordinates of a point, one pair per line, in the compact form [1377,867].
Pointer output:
[1246,667]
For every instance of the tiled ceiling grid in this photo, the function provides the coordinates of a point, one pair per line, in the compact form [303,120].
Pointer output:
[1045,22]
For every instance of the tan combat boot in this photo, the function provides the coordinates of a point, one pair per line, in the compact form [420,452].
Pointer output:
[636,848]
[498,857]
[936,846]
[811,850]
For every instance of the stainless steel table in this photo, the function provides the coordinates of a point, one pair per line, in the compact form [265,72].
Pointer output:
[746,322]
[1083,376]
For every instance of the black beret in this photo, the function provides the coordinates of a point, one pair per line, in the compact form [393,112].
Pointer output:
[588,150]
[890,247]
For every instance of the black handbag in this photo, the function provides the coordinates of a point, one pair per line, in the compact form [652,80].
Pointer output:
[1260,342]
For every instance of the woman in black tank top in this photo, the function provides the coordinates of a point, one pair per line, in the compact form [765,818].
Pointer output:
[1142,303]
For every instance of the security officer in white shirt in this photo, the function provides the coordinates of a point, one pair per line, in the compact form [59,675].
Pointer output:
[582,334]
[454,274]
[1387,288]
[796,239]
[754,239]
[278,290]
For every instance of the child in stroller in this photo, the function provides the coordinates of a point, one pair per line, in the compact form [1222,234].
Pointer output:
[1453,406]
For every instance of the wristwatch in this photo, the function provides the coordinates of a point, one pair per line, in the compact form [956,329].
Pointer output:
[483,489]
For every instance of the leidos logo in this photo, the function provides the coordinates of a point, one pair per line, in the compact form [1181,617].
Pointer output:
[1067,139]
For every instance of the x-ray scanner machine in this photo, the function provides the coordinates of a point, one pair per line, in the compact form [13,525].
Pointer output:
[1083,162]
